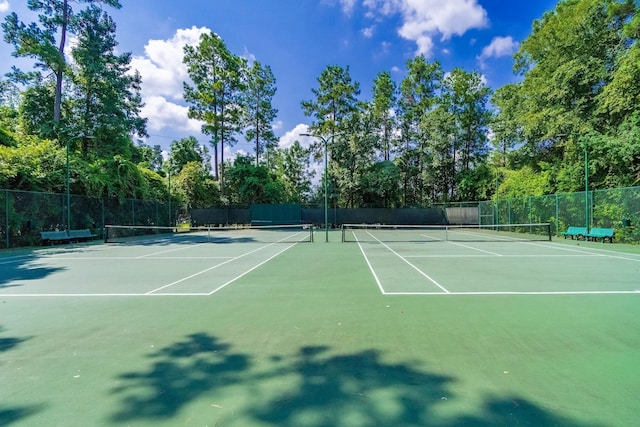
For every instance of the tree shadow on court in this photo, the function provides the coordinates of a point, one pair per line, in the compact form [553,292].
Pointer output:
[361,389]
[179,373]
[22,269]
[322,388]
[9,343]
[10,415]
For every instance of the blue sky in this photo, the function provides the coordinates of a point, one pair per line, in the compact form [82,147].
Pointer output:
[299,38]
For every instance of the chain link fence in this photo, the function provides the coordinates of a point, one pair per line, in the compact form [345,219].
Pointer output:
[25,214]
[617,208]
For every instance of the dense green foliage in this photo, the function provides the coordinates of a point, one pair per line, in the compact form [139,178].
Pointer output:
[433,136]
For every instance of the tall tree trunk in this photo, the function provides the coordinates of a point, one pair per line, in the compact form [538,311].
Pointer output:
[60,67]
[215,161]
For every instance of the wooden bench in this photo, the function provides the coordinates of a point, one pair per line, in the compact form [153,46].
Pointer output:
[51,237]
[601,233]
[577,232]
[81,235]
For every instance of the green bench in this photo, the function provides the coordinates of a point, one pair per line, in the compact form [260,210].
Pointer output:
[603,234]
[51,237]
[577,232]
[81,235]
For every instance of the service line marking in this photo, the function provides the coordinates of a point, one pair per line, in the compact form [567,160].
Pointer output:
[410,264]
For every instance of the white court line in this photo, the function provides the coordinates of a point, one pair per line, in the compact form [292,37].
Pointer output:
[592,251]
[219,265]
[120,295]
[14,259]
[413,266]
[171,250]
[519,293]
[489,237]
[459,244]
[43,253]
[206,270]
[586,250]
[122,258]
[375,276]
[585,255]
[475,249]
[251,269]
[450,294]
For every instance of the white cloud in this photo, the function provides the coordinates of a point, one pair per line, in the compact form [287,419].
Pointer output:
[346,5]
[230,154]
[293,135]
[250,57]
[69,46]
[383,7]
[165,115]
[4,6]
[163,74]
[161,66]
[386,47]
[483,78]
[499,47]
[368,32]
[423,20]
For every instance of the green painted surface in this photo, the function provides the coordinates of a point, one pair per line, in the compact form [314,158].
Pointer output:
[303,336]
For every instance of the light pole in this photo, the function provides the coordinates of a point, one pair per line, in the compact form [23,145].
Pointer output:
[326,180]
[586,187]
[169,176]
[73,138]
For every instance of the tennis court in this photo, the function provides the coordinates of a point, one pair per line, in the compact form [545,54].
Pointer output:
[246,328]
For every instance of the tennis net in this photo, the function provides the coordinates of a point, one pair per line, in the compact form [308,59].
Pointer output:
[439,233]
[138,234]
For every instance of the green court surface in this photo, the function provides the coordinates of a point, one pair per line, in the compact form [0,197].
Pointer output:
[183,333]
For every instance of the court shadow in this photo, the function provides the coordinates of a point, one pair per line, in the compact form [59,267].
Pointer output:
[14,416]
[353,389]
[178,374]
[10,343]
[8,415]
[362,389]
[22,269]
[317,387]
